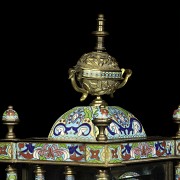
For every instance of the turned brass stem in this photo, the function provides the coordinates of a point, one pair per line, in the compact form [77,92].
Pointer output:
[10,134]
[102,136]
[100,33]
[98,101]
[101,123]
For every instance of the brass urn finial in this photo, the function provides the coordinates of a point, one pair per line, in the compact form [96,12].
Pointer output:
[97,73]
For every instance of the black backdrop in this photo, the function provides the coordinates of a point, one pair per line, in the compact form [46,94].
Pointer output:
[41,41]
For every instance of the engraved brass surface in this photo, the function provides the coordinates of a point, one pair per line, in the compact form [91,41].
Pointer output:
[97,73]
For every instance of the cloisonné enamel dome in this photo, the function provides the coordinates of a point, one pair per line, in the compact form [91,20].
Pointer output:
[77,124]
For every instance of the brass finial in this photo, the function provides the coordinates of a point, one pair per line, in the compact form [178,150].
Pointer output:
[10,107]
[10,118]
[100,33]
[97,73]
[102,122]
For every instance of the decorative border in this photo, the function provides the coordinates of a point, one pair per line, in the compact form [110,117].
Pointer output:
[7,150]
[178,147]
[146,150]
[102,74]
[107,154]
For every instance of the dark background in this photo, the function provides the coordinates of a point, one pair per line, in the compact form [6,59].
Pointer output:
[41,41]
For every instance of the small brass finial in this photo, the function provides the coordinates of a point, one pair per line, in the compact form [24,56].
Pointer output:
[102,122]
[100,33]
[10,118]
[10,107]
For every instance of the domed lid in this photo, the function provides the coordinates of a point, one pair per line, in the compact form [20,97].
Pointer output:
[176,113]
[77,124]
[10,115]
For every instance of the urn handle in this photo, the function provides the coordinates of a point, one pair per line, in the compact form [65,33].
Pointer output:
[72,76]
[128,73]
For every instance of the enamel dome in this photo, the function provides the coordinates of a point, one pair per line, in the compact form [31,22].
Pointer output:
[10,115]
[77,124]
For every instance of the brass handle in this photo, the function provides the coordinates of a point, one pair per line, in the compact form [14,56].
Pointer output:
[128,73]
[75,86]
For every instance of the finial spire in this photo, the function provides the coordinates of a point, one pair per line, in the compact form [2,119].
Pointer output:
[100,33]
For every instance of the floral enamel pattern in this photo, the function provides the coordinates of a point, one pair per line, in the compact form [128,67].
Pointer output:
[10,115]
[143,150]
[76,124]
[95,153]
[51,152]
[6,150]
[89,153]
